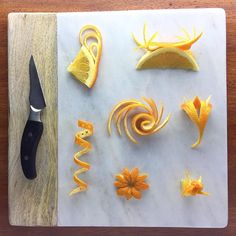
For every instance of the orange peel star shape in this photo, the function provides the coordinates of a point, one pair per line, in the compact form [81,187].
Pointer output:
[198,111]
[130,183]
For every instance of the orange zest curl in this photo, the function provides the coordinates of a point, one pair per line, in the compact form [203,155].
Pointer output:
[79,139]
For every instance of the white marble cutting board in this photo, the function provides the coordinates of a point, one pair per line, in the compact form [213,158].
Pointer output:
[165,156]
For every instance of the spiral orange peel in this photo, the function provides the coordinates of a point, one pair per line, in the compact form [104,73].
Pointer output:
[79,139]
[198,111]
[192,187]
[143,123]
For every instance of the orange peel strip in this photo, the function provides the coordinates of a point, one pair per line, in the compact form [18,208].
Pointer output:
[79,139]
[198,111]
[145,120]
[192,187]
[94,48]
[185,43]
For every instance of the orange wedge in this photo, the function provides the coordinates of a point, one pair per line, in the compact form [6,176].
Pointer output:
[169,57]
[85,65]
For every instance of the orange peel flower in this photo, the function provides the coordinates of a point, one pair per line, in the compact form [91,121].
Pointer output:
[146,119]
[130,183]
[198,111]
[192,187]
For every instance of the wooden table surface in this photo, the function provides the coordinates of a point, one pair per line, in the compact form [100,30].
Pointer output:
[103,5]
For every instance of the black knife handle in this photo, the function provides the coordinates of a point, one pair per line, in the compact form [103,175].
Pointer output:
[29,143]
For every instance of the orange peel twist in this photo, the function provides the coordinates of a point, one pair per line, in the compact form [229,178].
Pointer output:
[192,187]
[145,122]
[79,139]
[198,111]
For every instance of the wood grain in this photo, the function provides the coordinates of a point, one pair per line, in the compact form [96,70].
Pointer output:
[32,202]
[100,5]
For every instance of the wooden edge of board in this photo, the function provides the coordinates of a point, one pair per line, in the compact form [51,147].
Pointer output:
[32,202]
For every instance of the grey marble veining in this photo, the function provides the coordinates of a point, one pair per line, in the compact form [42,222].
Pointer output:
[166,155]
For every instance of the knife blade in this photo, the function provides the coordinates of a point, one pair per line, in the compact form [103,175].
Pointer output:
[34,126]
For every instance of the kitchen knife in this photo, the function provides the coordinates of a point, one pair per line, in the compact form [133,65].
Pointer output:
[34,127]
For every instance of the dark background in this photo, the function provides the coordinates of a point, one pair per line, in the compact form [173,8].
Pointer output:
[103,5]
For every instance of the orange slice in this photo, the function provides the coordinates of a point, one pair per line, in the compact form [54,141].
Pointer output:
[169,57]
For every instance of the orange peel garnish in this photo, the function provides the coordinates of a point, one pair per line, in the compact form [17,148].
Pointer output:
[198,111]
[85,65]
[79,139]
[192,187]
[130,183]
[145,122]
[185,42]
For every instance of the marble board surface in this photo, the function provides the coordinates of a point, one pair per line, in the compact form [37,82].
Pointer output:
[165,156]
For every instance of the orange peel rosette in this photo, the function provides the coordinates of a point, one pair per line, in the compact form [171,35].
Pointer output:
[192,187]
[198,111]
[130,183]
[146,119]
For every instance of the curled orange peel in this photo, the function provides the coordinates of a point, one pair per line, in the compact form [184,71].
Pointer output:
[192,187]
[130,183]
[85,65]
[79,139]
[184,43]
[146,119]
[198,111]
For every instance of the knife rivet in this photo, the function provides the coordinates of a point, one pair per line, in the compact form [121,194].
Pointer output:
[26,158]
